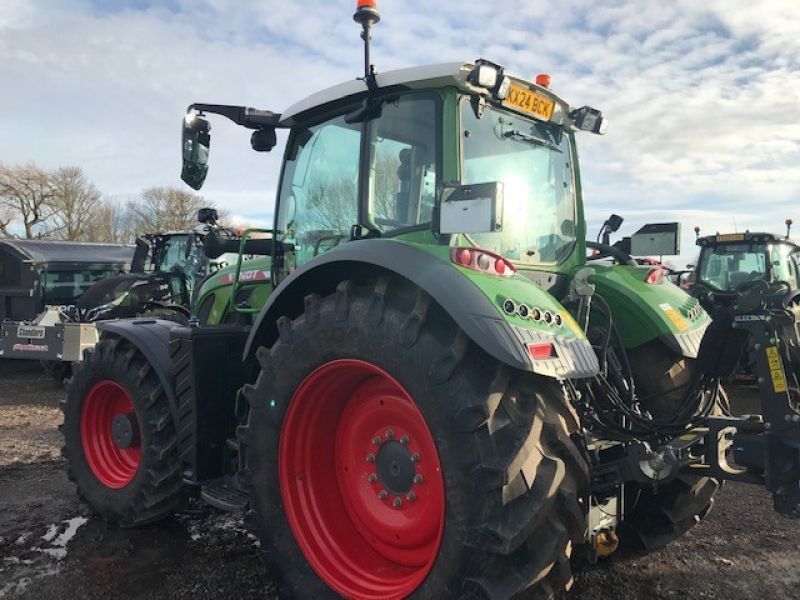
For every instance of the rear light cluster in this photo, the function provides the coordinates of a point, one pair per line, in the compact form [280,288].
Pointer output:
[534,314]
[655,276]
[481,260]
[542,351]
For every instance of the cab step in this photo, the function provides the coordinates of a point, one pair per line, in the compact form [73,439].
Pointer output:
[223,493]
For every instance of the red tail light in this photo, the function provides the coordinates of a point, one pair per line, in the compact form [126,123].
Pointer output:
[655,276]
[542,351]
[481,260]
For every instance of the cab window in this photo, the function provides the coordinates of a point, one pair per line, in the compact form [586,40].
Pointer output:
[173,253]
[319,191]
[403,162]
[783,266]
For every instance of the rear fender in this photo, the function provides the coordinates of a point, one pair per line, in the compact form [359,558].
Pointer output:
[466,299]
[645,312]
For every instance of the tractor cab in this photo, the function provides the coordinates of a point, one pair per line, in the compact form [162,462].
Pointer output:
[166,271]
[732,261]
[436,154]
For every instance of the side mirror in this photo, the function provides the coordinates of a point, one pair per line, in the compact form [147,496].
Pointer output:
[195,145]
[473,208]
[208,216]
[614,222]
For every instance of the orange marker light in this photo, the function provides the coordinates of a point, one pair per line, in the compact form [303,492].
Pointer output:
[543,79]
[367,4]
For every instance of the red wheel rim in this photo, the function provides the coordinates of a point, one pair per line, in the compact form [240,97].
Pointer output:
[361,481]
[113,465]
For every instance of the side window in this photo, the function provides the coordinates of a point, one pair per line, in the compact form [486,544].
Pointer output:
[319,191]
[783,265]
[403,173]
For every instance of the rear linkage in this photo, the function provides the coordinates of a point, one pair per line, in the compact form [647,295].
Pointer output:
[761,449]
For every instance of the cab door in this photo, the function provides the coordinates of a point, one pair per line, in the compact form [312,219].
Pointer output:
[319,195]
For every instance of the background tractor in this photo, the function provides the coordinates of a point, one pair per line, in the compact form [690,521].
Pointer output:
[439,398]
[731,260]
[168,275]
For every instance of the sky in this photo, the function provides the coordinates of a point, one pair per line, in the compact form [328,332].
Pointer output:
[702,98]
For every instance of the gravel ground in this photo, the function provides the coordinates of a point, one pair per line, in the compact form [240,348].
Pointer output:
[50,547]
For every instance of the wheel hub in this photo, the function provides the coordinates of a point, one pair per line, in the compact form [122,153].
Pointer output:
[125,430]
[395,468]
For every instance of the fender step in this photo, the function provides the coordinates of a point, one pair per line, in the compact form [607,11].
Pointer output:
[223,493]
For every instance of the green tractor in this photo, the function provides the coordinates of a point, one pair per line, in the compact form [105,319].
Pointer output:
[731,260]
[441,397]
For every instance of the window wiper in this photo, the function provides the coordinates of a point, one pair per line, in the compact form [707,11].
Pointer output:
[531,139]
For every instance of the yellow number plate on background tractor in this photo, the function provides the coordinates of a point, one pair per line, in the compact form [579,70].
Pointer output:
[730,237]
[531,103]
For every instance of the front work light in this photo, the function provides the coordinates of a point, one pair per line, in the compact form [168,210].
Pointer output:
[490,76]
[587,118]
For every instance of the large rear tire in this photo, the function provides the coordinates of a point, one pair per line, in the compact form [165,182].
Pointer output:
[388,456]
[120,440]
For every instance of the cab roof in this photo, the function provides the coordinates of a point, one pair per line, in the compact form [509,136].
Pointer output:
[748,237]
[54,252]
[422,77]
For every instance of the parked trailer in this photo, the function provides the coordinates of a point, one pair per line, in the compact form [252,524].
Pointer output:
[37,273]
[39,279]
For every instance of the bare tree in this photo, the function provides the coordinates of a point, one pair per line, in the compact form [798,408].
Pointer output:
[165,208]
[27,192]
[75,201]
[6,216]
[109,223]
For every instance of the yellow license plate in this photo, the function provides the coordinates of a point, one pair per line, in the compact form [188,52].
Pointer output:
[531,103]
[730,237]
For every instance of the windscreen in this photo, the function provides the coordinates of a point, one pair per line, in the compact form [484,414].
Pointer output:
[726,267]
[534,162]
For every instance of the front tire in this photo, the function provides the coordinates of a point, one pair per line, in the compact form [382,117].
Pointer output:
[120,440]
[655,517]
[480,500]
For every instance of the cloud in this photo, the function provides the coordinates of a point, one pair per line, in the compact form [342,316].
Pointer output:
[702,97]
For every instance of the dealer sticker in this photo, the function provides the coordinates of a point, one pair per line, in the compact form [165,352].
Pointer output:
[674,316]
[776,370]
[31,332]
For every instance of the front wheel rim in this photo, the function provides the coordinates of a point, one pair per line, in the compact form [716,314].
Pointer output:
[361,481]
[114,462]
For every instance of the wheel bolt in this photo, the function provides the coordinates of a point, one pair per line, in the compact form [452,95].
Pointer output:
[411,496]
[372,478]
[383,494]
[415,457]
[389,434]
[370,458]
[404,440]
[376,440]
[418,478]
[397,503]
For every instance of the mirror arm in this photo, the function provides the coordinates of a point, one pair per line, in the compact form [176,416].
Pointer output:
[245,116]
[606,250]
